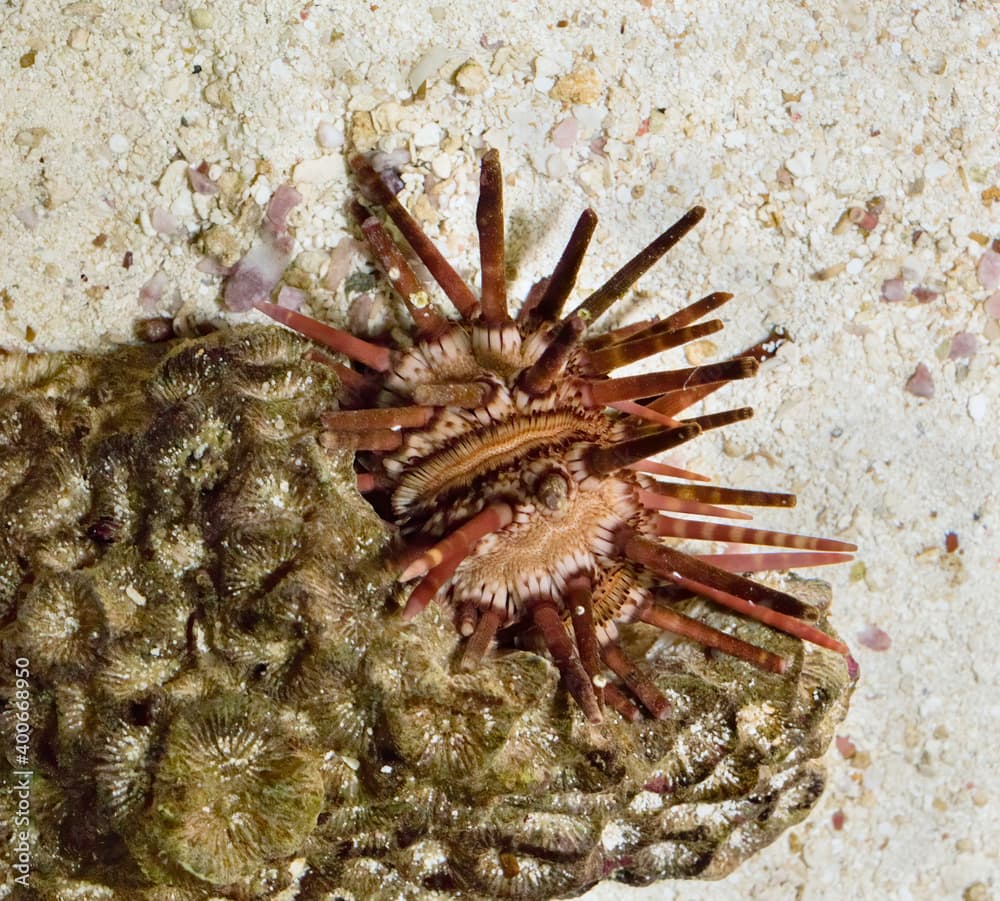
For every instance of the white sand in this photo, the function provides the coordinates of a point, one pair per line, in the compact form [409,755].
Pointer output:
[777,119]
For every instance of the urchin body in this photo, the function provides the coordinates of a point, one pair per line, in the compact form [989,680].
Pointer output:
[519,472]
[519,451]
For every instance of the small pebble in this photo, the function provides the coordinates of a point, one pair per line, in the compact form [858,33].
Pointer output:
[735,140]
[118,144]
[555,166]
[428,135]
[30,138]
[846,747]
[659,122]
[290,298]
[329,136]
[317,171]
[864,219]
[471,78]
[977,407]
[698,352]
[152,291]
[163,221]
[202,18]
[799,164]
[893,290]
[176,86]
[862,760]
[977,891]
[79,38]
[441,165]
[201,183]
[988,270]
[874,638]
[582,85]
[823,275]
[565,133]
[152,331]
[963,346]
[921,383]
[427,66]
[59,191]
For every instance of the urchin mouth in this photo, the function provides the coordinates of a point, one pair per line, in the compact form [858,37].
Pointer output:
[552,486]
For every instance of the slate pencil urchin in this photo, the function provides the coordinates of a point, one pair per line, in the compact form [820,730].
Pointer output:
[519,471]
[218,704]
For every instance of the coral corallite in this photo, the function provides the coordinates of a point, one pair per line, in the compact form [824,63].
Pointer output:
[519,472]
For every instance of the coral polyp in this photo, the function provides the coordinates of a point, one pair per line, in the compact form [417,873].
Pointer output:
[519,471]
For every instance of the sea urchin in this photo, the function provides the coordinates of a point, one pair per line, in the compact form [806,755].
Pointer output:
[519,472]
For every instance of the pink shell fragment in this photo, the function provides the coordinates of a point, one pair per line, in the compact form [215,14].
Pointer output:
[862,218]
[921,383]
[163,221]
[201,183]
[282,201]
[925,295]
[151,293]
[290,298]
[388,164]
[893,290]
[988,270]
[212,267]
[565,133]
[992,305]
[874,638]
[255,276]
[341,261]
[597,146]
[846,747]
[963,346]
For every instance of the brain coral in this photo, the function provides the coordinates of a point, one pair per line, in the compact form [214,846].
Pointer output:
[221,704]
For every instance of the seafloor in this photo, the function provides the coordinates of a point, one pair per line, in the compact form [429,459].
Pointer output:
[848,155]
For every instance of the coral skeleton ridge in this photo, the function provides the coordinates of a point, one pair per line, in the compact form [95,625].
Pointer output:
[223,698]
